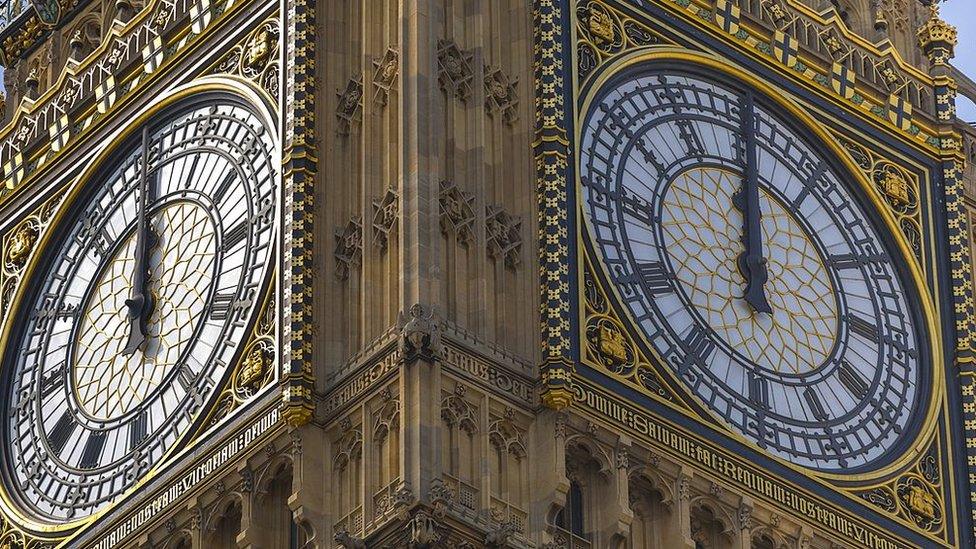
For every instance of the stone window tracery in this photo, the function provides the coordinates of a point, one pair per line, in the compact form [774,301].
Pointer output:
[460,447]
[347,474]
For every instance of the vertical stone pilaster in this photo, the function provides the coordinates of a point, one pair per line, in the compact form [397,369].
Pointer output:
[251,525]
[421,141]
[553,77]
[621,486]
[309,502]
[744,523]
[299,166]
[938,40]
[682,506]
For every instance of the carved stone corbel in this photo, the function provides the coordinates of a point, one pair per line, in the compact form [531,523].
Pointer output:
[440,496]
[348,248]
[499,536]
[349,106]
[348,541]
[403,499]
[454,73]
[419,334]
[424,531]
[386,213]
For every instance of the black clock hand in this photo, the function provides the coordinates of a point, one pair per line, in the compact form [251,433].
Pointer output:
[138,301]
[752,263]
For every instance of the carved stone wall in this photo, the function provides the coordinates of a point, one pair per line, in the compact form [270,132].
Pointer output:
[480,148]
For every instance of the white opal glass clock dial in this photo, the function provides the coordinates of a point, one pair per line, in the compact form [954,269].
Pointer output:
[823,369]
[141,302]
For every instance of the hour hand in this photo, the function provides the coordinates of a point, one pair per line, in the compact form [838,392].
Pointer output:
[141,303]
[137,334]
[753,266]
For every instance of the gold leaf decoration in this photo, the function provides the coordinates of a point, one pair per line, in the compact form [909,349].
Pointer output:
[608,345]
[604,33]
[899,189]
[256,368]
[916,495]
[18,246]
[255,57]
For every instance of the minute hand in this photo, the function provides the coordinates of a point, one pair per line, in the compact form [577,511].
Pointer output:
[752,262]
[138,302]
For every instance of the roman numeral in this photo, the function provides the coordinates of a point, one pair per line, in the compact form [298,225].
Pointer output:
[234,236]
[221,305]
[759,390]
[656,278]
[855,261]
[698,348]
[689,135]
[186,377]
[863,328]
[836,444]
[137,430]
[93,450]
[224,185]
[61,432]
[52,308]
[851,379]
[649,157]
[101,242]
[637,208]
[51,381]
[813,402]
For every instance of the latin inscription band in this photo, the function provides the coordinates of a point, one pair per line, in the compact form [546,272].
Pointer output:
[731,470]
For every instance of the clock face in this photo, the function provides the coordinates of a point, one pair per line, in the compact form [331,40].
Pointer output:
[751,268]
[139,308]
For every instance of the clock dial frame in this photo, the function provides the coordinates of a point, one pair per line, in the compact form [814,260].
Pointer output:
[643,278]
[82,439]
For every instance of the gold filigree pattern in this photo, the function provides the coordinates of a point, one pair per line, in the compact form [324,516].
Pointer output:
[13,538]
[20,245]
[898,187]
[916,494]
[608,344]
[255,57]
[17,247]
[109,382]
[604,32]
[703,238]
[256,368]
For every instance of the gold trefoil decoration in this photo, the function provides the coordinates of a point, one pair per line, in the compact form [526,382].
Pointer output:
[898,187]
[601,25]
[604,32]
[20,244]
[612,343]
[255,365]
[608,345]
[256,368]
[920,501]
[894,185]
[915,495]
[17,246]
[257,50]
[255,57]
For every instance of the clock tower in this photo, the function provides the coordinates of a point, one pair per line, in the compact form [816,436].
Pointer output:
[550,273]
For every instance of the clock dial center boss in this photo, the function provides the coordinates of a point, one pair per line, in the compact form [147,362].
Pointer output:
[746,263]
[146,295]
